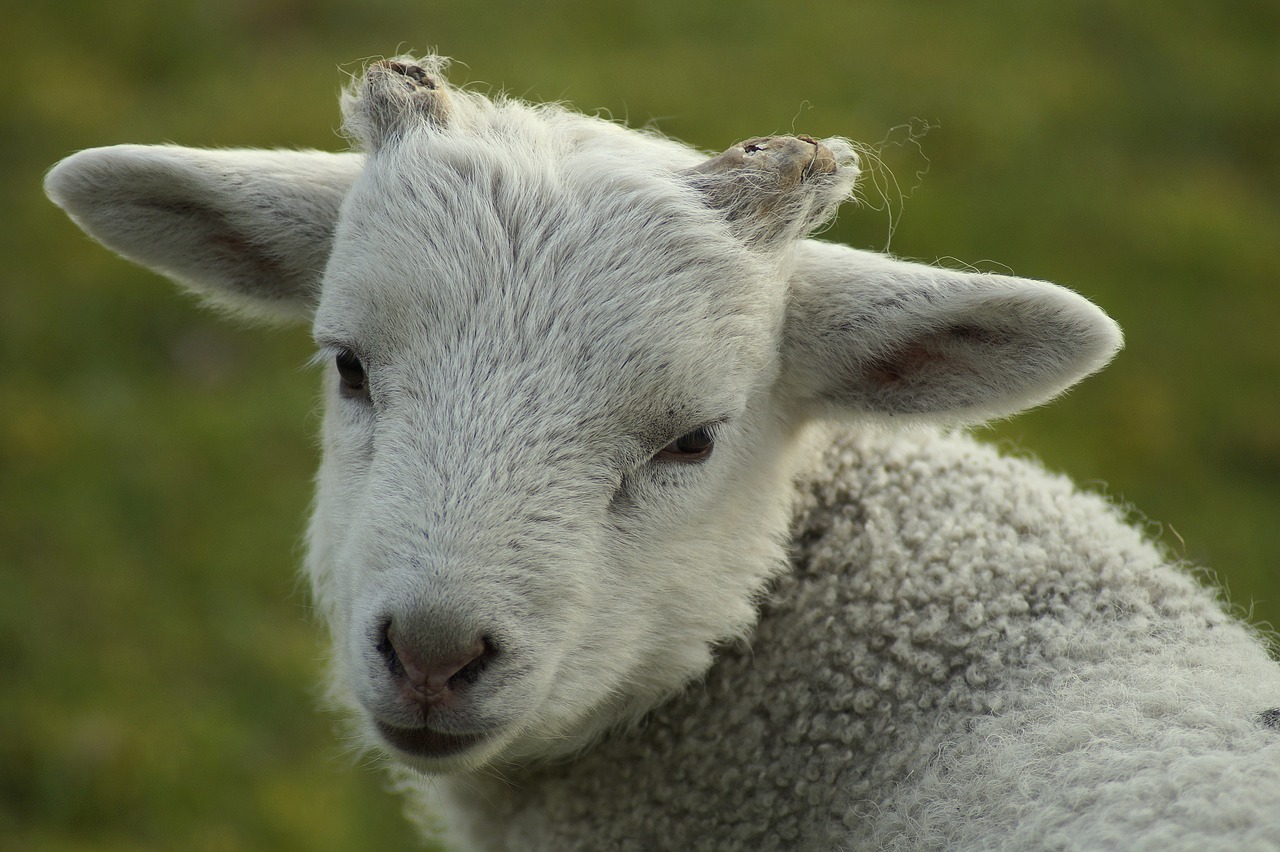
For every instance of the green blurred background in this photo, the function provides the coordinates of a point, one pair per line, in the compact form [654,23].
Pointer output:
[158,659]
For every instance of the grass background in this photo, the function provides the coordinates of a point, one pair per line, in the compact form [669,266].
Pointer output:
[158,660]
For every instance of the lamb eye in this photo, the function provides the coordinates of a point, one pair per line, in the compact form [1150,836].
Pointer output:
[351,373]
[691,447]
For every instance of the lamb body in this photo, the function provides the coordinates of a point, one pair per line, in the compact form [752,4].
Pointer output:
[573,586]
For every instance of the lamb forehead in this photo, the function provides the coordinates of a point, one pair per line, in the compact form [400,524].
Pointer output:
[531,244]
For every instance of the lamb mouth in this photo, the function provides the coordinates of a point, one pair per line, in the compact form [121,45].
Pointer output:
[425,742]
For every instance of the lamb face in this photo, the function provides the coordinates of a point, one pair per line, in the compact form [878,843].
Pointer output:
[553,474]
[568,367]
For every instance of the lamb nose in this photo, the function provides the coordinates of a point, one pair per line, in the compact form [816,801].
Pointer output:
[432,679]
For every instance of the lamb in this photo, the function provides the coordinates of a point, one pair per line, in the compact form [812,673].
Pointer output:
[645,520]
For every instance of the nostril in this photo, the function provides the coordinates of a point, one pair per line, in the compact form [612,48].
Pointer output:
[432,677]
[387,650]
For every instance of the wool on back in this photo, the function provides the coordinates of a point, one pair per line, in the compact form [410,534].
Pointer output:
[968,653]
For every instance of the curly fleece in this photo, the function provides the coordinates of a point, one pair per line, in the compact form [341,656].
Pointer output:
[968,653]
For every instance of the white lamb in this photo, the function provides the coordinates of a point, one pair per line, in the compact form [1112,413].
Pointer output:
[574,583]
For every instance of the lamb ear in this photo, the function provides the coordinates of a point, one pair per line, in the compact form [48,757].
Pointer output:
[869,334]
[250,229]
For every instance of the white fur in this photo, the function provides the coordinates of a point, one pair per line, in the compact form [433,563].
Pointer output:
[542,301]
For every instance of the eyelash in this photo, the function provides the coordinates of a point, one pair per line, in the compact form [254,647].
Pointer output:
[692,447]
[353,380]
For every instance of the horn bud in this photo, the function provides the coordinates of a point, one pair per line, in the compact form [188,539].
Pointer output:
[394,95]
[774,185]
[782,161]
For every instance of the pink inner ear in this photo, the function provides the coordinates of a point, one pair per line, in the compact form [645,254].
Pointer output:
[953,346]
[899,365]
